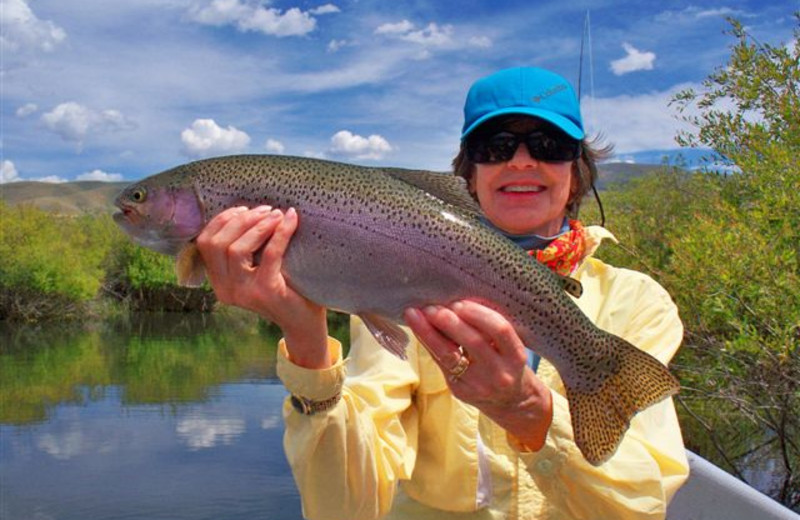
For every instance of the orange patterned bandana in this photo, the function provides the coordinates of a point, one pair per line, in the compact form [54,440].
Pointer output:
[565,252]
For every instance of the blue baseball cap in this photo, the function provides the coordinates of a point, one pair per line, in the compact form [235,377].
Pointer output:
[524,90]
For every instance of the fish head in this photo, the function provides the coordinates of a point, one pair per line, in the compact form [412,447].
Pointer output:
[158,216]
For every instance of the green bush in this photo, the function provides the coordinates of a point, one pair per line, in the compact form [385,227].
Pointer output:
[727,247]
[48,261]
[145,269]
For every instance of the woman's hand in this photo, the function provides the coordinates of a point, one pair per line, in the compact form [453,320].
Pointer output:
[228,245]
[497,381]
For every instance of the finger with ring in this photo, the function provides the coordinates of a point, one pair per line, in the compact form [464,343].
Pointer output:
[461,365]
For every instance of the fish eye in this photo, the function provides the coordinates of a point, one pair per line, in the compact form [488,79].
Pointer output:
[139,194]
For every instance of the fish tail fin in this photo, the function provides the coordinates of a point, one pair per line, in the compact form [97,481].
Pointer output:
[630,381]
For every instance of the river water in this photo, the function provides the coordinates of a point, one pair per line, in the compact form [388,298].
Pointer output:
[152,416]
[144,417]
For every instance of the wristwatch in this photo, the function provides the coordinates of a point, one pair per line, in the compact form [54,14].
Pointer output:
[308,406]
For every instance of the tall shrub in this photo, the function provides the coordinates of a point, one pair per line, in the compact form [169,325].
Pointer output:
[49,264]
[725,242]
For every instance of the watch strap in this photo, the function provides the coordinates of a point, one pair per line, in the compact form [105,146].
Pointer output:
[308,406]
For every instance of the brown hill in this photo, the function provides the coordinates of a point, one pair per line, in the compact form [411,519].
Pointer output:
[66,198]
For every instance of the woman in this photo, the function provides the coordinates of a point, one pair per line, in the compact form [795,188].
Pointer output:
[469,426]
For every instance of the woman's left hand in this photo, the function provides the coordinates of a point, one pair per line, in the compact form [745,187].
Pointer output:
[497,380]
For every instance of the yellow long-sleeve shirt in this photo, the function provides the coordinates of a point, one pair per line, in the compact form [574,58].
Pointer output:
[398,444]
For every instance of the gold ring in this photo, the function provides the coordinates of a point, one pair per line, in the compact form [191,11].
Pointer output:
[461,366]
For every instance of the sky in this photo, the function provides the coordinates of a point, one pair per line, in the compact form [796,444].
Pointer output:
[118,90]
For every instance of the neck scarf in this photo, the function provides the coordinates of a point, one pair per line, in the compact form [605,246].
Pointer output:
[564,253]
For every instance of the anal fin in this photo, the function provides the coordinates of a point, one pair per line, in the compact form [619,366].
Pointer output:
[387,333]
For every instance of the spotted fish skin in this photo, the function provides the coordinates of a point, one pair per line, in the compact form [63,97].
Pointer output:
[372,242]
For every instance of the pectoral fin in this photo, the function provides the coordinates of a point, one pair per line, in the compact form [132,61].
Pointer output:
[189,267]
[387,333]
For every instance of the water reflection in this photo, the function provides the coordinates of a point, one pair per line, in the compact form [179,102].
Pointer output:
[144,417]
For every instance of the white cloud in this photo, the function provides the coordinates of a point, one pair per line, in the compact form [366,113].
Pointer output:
[199,433]
[633,61]
[206,138]
[247,17]
[325,9]
[395,28]
[219,12]
[313,154]
[483,42]
[346,143]
[717,13]
[8,172]
[99,175]
[21,30]
[335,45]
[274,146]
[74,122]
[53,179]
[637,123]
[433,35]
[692,13]
[26,110]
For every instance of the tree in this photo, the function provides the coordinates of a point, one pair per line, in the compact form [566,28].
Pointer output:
[736,270]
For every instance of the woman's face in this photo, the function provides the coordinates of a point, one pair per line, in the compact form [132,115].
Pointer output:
[524,195]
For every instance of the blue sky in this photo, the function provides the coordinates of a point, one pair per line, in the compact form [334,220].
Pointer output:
[94,89]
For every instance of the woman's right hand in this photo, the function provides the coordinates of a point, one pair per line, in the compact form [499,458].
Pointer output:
[228,244]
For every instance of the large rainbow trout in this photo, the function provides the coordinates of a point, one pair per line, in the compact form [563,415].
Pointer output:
[375,241]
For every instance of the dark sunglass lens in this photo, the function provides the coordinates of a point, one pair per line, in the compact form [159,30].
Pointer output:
[547,146]
[502,146]
[491,148]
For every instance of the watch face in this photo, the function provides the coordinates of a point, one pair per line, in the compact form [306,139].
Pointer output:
[300,405]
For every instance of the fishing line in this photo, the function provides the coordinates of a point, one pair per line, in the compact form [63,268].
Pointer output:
[587,31]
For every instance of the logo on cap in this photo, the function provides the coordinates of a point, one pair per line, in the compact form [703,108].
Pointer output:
[549,92]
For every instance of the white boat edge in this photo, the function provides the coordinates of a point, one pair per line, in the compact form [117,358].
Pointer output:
[713,494]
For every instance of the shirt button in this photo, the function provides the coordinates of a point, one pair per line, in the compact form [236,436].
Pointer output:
[545,466]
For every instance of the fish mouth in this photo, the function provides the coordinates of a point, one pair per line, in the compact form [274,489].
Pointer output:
[125,214]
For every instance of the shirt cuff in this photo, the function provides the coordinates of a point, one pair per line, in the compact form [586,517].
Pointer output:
[317,385]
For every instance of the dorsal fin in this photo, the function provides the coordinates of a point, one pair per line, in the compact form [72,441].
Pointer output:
[444,186]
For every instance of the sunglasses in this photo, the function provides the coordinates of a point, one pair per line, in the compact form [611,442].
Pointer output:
[543,145]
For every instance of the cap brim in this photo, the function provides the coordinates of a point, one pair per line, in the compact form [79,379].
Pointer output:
[560,121]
